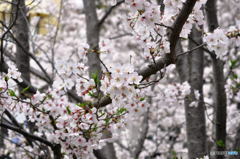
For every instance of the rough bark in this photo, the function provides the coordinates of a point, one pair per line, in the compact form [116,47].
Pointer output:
[220,105]
[21,32]
[20,27]
[190,68]
[21,36]
[3,133]
[94,63]
[92,37]
[196,130]
[177,26]
[219,85]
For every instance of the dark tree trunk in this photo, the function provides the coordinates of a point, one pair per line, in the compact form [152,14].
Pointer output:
[220,101]
[190,68]
[21,32]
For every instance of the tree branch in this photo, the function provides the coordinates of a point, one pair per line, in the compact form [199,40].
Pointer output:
[24,133]
[178,25]
[102,20]
[168,58]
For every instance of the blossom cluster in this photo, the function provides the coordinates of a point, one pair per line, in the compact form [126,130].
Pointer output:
[120,84]
[151,24]
[77,127]
[217,42]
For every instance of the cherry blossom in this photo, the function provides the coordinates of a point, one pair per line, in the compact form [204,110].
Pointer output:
[78,126]
[217,42]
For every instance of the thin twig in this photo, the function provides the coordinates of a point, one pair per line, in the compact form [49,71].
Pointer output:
[189,51]
[102,20]
[8,31]
[37,138]
[104,66]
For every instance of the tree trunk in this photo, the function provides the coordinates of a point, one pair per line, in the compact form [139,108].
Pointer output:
[220,101]
[94,63]
[21,32]
[92,37]
[190,68]
[20,29]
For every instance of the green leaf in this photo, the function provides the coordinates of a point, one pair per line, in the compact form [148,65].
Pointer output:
[96,79]
[174,154]
[142,99]
[91,94]
[25,89]
[94,129]
[49,96]
[84,104]
[121,111]
[233,63]
[234,76]
[107,120]
[68,110]
[220,143]
[238,85]
[11,93]
[101,6]
[6,78]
